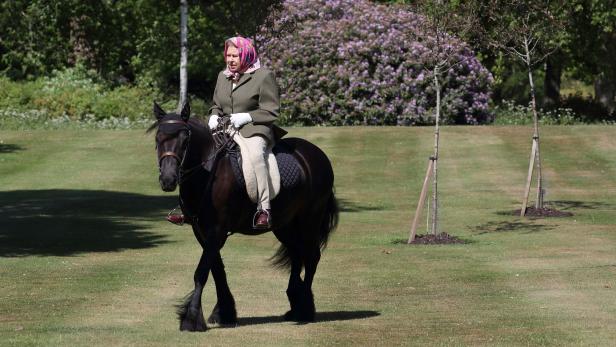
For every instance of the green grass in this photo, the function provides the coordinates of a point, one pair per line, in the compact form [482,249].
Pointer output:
[86,258]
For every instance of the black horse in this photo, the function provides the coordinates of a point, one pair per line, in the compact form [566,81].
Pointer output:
[217,205]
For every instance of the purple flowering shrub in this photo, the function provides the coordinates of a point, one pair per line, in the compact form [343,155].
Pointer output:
[346,62]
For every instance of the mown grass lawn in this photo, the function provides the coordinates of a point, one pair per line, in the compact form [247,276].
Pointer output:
[86,258]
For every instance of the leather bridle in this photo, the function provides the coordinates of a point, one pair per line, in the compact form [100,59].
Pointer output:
[223,141]
[179,159]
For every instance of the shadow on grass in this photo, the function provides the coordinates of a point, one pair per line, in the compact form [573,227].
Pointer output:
[350,206]
[9,148]
[431,240]
[320,317]
[499,227]
[69,222]
[565,206]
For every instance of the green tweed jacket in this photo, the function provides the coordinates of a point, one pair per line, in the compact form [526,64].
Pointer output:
[256,93]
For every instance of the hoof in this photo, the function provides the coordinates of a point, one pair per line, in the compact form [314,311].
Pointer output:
[290,316]
[227,319]
[216,319]
[193,321]
[294,316]
[192,326]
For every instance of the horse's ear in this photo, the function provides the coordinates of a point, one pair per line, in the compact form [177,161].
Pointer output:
[185,113]
[159,113]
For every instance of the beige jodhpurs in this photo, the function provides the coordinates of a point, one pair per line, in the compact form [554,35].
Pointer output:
[256,146]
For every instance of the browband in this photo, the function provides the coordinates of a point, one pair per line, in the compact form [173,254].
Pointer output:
[173,121]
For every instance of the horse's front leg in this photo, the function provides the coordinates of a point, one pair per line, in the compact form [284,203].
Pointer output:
[224,312]
[190,313]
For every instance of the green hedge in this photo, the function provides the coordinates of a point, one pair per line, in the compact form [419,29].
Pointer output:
[76,97]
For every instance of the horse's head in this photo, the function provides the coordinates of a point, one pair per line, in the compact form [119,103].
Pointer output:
[172,139]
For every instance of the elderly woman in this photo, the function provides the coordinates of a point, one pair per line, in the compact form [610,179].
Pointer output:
[249,94]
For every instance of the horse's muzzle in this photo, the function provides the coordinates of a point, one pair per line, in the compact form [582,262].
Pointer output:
[167,183]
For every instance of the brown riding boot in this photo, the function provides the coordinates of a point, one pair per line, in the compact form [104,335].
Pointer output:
[177,219]
[262,220]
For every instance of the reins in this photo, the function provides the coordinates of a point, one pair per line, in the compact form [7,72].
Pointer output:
[223,140]
[222,137]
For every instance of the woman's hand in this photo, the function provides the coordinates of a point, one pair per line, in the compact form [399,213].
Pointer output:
[239,119]
[213,122]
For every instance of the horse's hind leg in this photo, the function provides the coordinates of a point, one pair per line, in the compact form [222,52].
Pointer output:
[311,260]
[295,288]
[313,235]
[288,255]
[299,291]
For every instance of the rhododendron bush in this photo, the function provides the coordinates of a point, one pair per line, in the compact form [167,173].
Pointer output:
[345,62]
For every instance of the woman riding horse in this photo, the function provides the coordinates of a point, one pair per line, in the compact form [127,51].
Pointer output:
[249,94]
[217,205]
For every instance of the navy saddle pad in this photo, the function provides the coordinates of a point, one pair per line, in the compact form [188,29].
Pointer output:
[291,173]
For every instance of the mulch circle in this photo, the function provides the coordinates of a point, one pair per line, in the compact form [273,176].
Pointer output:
[439,239]
[543,212]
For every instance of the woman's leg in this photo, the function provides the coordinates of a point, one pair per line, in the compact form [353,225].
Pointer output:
[257,146]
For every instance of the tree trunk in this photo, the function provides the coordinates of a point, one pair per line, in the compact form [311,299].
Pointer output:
[533,102]
[551,85]
[437,87]
[183,53]
[605,92]
[82,52]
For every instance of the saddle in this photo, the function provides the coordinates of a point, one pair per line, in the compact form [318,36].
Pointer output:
[285,171]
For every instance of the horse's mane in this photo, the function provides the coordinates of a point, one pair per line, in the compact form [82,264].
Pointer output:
[199,126]
[196,124]
[151,127]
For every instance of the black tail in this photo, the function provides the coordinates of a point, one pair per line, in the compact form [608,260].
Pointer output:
[283,256]
[330,222]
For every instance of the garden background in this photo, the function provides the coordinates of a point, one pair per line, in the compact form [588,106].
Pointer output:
[338,62]
[87,258]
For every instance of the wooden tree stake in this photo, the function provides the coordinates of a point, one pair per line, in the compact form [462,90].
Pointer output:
[422,198]
[529,178]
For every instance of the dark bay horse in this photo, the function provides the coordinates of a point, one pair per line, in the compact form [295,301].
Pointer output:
[210,196]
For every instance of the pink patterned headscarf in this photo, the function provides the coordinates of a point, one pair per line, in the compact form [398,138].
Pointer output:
[249,61]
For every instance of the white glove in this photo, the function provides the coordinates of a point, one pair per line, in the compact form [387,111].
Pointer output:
[239,119]
[213,122]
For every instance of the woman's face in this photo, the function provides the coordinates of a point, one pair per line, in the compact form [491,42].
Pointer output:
[233,58]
